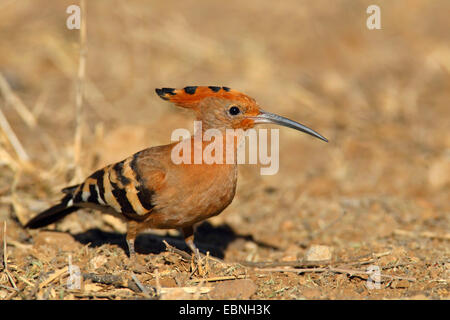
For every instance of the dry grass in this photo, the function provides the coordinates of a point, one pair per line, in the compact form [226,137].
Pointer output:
[381,185]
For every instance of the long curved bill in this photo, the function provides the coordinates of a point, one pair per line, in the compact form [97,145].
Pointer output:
[267,117]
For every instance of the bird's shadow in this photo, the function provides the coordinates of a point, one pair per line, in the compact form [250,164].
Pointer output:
[214,239]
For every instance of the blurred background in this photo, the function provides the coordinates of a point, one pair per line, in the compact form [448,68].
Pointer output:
[381,97]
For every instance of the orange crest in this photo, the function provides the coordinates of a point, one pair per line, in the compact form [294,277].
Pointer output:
[191,96]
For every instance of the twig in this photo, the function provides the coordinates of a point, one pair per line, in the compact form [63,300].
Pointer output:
[24,280]
[115,280]
[158,284]
[5,262]
[19,245]
[8,288]
[351,272]
[194,266]
[214,279]
[93,95]
[15,143]
[332,269]
[294,264]
[80,93]
[304,264]
[108,279]
[27,116]
[5,258]
[186,256]
[141,286]
[54,276]
[193,290]
[7,159]
[17,103]
[15,293]
[19,210]
[172,249]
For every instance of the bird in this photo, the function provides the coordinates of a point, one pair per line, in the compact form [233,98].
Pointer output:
[149,191]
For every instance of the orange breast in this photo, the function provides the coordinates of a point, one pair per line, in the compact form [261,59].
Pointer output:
[193,193]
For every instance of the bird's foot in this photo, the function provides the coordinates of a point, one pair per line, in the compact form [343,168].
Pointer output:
[194,249]
[133,263]
[197,261]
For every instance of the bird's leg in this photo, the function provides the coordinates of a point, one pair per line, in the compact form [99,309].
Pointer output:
[188,233]
[132,231]
[131,236]
[132,253]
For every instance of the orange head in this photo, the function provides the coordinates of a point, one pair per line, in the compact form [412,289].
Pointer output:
[223,108]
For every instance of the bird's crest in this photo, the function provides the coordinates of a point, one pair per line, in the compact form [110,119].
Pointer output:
[192,95]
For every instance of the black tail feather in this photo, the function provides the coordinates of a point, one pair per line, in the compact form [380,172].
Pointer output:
[51,215]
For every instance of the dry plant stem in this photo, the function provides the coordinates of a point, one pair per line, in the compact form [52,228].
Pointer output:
[301,263]
[141,286]
[27,116]
[64,62]
[24,280]
[108,279]
[19,245]
[53,277]
[80,93]
[8,288]
[158,284]
[172,249]
[335,270]
[19,209]
[186,256]
[17,103]
[196,289]
[295,264]
[214,279]
[5,258]
[5,262]
[13,140]
[15,293]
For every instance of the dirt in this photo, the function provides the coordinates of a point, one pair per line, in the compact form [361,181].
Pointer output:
[374,200]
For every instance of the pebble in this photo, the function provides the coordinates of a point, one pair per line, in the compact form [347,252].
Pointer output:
[319,253]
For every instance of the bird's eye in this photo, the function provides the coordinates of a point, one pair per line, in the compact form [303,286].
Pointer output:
[234,110]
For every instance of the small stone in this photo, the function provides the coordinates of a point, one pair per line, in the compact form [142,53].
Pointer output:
[319,253]
[98,261]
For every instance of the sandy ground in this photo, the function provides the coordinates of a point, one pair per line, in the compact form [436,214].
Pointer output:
[376,197]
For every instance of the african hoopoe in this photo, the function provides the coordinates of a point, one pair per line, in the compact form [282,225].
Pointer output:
[148,190]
